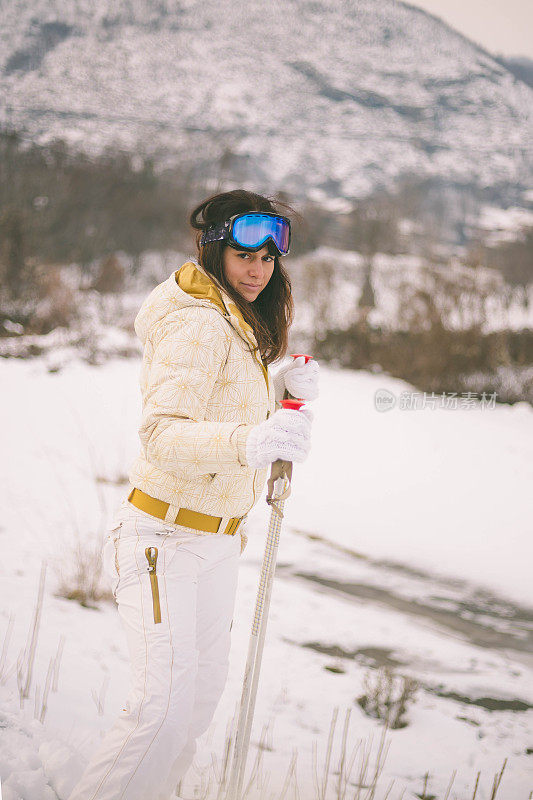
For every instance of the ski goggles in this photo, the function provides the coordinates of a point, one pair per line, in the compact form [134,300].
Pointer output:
[251,231]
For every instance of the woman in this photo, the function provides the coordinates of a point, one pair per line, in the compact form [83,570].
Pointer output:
[209,431]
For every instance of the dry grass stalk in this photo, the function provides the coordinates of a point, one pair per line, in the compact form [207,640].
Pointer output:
[328,753]
[342,779]
[355,751]
[8,673]
[99,699]
[344,770]
[497,781]
[57,662]
[256,769]
[5,648]
[47,685]
[363,769]
[20,674]
[476,786]
[448,790]
[314,766]
[205,785]
[36,701]
[379,764]
[291,773]
[228,749]
[51,681]
[423,796]
[389,790]
[27,656]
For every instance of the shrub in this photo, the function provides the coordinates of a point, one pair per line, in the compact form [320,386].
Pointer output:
[111,276]
[387,696]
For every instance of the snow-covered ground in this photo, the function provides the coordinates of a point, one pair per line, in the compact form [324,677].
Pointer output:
[406,543]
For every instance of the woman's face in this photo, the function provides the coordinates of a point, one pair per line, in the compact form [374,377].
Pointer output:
[247,272]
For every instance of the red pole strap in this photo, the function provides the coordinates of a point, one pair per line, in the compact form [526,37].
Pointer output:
[294,405]
[301,355]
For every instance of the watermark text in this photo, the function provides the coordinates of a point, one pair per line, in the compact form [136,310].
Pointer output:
[385,400]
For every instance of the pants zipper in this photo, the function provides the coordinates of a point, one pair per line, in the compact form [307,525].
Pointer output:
[151,555]
[117,565]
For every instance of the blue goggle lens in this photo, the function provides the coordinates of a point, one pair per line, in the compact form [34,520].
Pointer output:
[253,230]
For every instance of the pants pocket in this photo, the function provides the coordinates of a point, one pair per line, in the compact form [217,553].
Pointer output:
[159,555]
[144,558]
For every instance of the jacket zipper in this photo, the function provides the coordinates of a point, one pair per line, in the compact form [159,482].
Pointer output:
[254,493]
[255,479]
[151,556]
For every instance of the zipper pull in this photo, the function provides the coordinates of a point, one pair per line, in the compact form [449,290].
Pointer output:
[151,555]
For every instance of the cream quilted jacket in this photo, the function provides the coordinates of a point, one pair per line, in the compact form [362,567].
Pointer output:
[203,387]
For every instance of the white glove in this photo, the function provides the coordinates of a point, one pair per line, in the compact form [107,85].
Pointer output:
[300,379]
[286,435]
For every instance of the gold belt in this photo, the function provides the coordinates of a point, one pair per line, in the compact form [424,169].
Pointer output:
[185,517]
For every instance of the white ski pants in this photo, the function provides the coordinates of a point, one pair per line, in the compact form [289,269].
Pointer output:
[177,621]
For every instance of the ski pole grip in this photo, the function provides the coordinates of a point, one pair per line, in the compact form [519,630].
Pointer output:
[292,404]
[286,395]
[301,355]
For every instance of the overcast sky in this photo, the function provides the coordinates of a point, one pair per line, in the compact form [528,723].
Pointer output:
[501,26]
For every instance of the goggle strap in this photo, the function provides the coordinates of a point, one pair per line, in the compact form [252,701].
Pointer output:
[215,234]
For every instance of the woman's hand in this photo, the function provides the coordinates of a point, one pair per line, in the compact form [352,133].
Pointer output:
[286,435]
[299,378]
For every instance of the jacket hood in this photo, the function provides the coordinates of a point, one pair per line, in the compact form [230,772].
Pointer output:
[189,286]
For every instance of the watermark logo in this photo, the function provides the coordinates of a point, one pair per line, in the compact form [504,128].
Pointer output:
[384,400]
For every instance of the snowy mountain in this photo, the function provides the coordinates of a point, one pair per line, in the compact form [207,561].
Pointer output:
[520,66]
[317,98]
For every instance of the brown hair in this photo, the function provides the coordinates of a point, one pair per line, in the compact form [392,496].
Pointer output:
[271,313]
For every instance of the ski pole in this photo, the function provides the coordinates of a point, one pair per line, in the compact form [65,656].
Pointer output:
[280,479]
